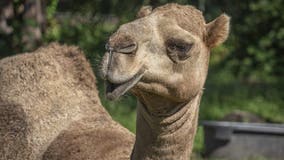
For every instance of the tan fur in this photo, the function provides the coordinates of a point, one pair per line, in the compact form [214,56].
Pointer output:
[173,44]
[50,109]
[187,17]
[217,31]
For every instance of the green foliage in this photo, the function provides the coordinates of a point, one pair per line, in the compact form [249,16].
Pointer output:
[199,140]
[222,96]
[51,9]
[256,41]
[122,111]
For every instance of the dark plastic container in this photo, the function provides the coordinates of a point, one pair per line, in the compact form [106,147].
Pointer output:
[239,141]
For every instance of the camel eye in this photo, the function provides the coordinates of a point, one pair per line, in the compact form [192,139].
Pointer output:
[178,50]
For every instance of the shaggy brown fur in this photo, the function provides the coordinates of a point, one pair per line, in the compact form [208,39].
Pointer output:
[50,109]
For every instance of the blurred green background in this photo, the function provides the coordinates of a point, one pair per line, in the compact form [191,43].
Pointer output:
[246,73]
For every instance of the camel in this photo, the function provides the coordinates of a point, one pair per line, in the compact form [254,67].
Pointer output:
[162,58]
[49,105]
[50,109]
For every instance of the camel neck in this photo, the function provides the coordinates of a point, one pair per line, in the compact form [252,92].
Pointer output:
[168,136]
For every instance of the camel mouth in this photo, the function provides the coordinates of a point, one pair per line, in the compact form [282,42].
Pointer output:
[116,90]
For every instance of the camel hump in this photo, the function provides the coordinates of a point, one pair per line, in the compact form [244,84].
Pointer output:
[41,94]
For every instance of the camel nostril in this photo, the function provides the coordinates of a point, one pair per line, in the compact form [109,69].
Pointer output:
[108,47]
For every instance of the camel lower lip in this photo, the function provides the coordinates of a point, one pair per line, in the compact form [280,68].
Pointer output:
[114,91]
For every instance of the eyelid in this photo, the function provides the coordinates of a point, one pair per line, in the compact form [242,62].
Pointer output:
[178,44]
[174,40]
[127,45]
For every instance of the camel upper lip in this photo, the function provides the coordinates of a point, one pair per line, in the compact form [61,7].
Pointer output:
[115,90]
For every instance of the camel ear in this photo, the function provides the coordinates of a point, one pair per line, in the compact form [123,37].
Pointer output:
[217,31]
[144,11]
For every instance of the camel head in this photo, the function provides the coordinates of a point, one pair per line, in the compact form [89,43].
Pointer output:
[163,53]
